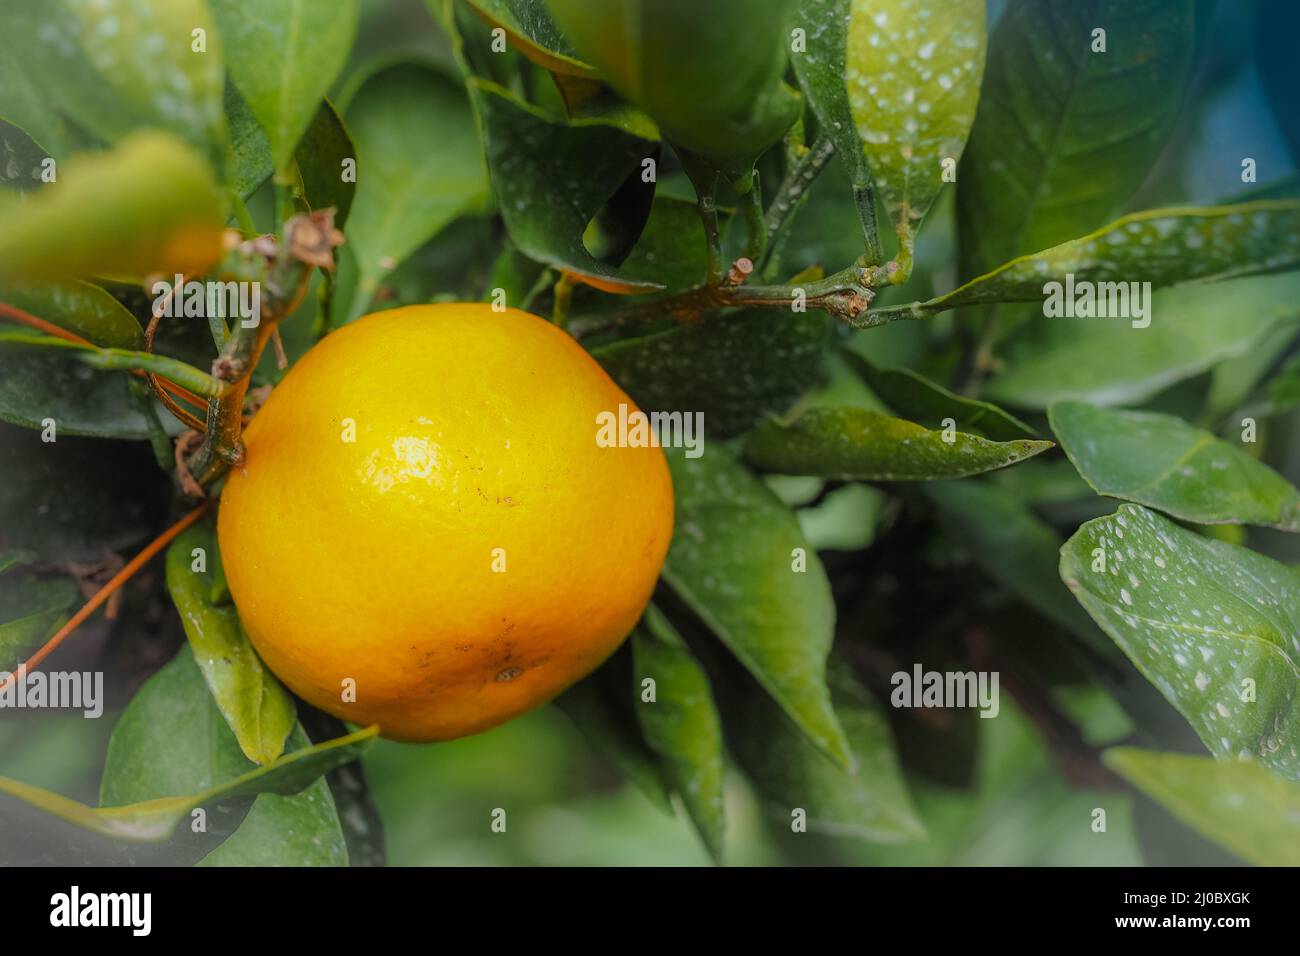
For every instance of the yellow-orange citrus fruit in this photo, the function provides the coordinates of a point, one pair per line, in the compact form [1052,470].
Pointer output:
[426,521]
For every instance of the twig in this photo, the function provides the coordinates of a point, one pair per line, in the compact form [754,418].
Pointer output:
[107,591]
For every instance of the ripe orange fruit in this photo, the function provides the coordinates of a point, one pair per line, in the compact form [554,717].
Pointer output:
[425,516]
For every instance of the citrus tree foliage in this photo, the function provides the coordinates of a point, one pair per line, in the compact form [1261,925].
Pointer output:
[992,381]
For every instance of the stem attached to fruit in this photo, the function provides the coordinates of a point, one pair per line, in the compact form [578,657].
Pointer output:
[282,271]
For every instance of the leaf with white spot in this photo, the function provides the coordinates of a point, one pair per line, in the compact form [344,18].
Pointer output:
[552,177]
[733,562]
[1165,463]
[1215,627]
[856,444]
[1064,134]
[1159,246]
[820,68]
[920,400]
[913,78]
[1235,803]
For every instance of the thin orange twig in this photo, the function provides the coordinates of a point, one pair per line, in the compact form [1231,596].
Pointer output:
[107,591]
[49,328]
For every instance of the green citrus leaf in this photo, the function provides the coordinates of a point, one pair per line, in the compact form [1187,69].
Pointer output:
[821,68]
[601,707]
[681,724]
[1236,803]
[79,307]
[419,166]
[258,709]
[1215,627]
[148,206]
[31,609]
[869,802]
[25,105]
[171,740]
[1108,362]
[73,499]
[171,753]
[920,400]
[735,369]
[552,177]
[1159,246]
[283,55]
[853,443]
[41,384]
[1164,463]
[251,164]
[533,33]
[733,561]
[1065,135]
[913,78]
[710,77]
[321,154]
[115,66]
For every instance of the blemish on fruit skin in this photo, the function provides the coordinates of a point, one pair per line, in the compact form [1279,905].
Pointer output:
[509,674]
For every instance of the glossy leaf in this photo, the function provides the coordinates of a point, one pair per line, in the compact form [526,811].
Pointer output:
[1164,463]
[79,307]
[533,33]
[115,66]
[681,724]
[37,385]
[418,167]
[283,55]
[821,69]
[1021,552]
[869,802]
[856,444]
[1064,135]
[1108,362]
[321,154]
[257,708]
[601,707]
[919,400]
[251,164]
[913,77]
[671,251]
[148,206]
[732,561]
[1236,803]
[31,609]
[73,499]
[301,830]
[552,177]
[1215,627]
[710,76]
[1159,246]
[735,369]
[171,740]
[164,760]
[23,161]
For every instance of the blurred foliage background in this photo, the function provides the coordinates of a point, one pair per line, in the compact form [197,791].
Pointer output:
[566,805]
